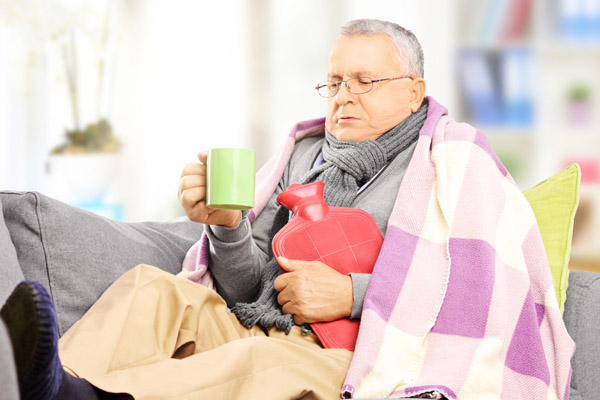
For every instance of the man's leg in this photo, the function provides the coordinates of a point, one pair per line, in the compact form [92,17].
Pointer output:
[148,315]
[155,335]
[250,368]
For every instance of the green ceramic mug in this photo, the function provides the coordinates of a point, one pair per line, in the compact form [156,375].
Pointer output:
[230,179]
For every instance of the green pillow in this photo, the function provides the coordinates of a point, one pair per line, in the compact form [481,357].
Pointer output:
[554,202]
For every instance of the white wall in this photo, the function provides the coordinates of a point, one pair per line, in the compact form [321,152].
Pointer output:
[180,90]
[190,75]
[22,112]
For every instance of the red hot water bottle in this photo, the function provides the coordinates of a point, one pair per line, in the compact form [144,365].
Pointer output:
[346,239]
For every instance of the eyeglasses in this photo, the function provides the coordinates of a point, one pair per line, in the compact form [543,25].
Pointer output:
[358,85]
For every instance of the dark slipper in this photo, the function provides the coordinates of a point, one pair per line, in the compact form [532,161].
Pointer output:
[31,321]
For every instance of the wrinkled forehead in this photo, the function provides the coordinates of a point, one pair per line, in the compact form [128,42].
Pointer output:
[371,55]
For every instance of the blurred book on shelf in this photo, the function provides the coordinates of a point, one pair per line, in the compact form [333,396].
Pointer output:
[497,86]
[516,21]
[480,87]
[509,21]
[517,87]
[494,21]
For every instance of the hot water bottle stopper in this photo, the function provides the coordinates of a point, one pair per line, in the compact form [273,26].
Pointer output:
[346,239]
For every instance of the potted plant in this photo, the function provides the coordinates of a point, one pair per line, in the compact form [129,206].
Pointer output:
[95,138]
[579,108]
[88,159]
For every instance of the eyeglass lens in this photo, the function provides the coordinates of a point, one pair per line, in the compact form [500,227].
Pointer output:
[357,85]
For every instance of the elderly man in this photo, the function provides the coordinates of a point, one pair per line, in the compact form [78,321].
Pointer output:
[375,93]
[458,305]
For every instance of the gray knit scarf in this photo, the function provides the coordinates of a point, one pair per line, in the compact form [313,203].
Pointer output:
[346,167]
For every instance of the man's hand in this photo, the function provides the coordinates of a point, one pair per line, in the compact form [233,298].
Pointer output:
[192,196]
[313,292]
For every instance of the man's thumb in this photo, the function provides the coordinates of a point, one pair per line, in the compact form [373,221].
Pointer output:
[290,265]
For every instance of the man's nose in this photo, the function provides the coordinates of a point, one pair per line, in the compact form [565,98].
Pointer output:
[344,96]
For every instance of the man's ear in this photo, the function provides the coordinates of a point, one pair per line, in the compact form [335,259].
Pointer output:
[417,94]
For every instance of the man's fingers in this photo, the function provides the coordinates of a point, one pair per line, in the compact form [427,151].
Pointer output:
[283,297]
[191,181]
[200,213]
[193,168]
[190,198]
[203,156]
[298,319]
[289,308]
[280,282]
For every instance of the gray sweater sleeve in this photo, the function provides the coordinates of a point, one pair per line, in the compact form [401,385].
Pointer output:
[238,255]
[236,278]
[359,288]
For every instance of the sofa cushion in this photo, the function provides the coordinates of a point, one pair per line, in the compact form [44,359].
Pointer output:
[77,254]
[582,318]
[554,202]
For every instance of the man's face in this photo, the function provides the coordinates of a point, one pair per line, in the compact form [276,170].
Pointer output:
[355,118]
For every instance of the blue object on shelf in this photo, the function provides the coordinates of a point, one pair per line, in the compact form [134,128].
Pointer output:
[517,87]
[518,113]
[573,28]
[480,87]
[594,22]
[579,20]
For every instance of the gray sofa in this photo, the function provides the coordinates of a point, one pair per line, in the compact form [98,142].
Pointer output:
[77,255]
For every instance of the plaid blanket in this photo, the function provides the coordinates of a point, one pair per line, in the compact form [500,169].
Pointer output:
[461,302]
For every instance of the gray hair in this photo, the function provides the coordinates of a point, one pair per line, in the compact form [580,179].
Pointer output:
[410,52]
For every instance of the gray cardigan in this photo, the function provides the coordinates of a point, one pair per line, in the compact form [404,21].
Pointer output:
[239,254]
[77,255]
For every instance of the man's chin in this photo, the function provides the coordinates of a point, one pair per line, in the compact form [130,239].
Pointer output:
[346,134]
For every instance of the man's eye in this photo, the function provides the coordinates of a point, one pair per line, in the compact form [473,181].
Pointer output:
[334,84]
[364,81]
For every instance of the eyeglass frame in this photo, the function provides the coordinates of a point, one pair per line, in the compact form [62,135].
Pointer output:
[345,83]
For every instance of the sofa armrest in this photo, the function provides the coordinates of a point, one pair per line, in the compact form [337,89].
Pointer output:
[8,370]
[582,318]
[77,254]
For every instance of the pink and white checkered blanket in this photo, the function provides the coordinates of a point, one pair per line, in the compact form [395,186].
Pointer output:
[461,301]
